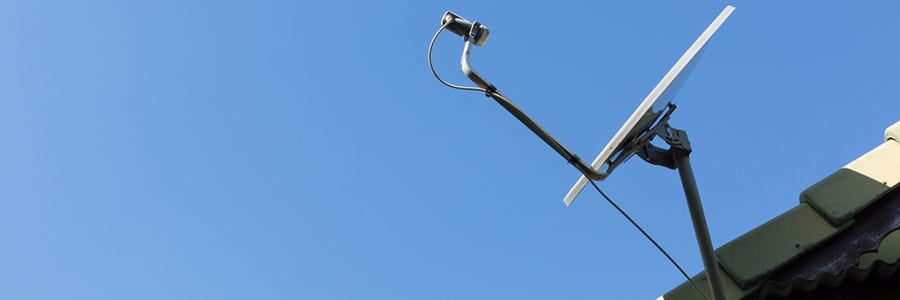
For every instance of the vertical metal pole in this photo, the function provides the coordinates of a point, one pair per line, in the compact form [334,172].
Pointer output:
[710,263]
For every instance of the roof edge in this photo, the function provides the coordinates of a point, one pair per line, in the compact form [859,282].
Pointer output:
[892,133]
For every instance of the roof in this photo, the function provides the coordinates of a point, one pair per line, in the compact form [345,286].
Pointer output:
[845,227]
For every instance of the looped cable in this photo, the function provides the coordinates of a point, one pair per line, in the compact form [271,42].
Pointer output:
[431,66]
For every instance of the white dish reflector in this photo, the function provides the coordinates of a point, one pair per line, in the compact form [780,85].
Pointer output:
[652,108]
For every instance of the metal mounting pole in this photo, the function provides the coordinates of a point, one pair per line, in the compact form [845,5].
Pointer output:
[678,157]
[701,230]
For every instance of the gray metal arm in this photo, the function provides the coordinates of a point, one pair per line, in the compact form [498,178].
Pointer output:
[525,119]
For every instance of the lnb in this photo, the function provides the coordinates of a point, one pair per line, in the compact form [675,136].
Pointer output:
[477,32]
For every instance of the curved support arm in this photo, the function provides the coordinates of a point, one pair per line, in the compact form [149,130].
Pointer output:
[525,119]
[467,69]
[573,159]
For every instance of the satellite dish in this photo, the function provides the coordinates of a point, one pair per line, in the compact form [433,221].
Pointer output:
[625,143]
[650,120]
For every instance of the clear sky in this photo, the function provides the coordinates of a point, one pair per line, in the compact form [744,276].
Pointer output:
[302,149]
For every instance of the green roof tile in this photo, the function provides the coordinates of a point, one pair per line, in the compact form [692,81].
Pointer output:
[847,191]
[888,251]
[765,248]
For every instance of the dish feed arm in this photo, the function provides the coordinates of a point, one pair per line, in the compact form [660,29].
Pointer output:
[525,119]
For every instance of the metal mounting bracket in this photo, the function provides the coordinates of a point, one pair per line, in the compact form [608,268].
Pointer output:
[677,140]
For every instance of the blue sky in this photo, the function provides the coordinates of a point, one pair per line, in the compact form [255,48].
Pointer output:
[302,150]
